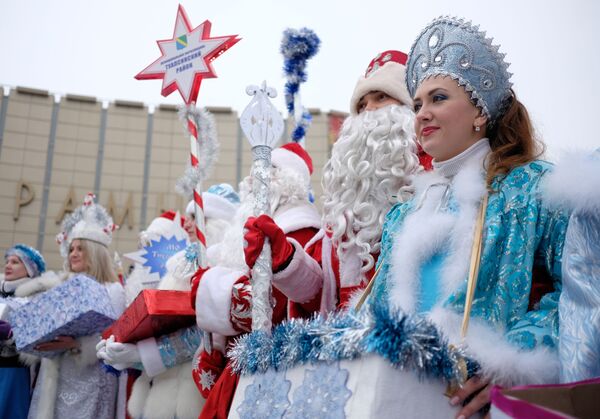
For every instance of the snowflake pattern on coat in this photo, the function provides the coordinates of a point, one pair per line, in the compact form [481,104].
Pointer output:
[323,393]
[266,397]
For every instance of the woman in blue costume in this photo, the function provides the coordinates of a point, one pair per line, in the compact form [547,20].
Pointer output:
[24,276]
[480,136]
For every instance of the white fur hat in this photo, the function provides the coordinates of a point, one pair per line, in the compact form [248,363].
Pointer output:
[385,73]
[220,201]
[293,156]
[90,221]
[168,224]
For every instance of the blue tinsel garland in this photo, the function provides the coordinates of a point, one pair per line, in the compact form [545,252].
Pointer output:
[297,47]
[406,341]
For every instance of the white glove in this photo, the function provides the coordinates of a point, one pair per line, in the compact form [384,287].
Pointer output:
[101,349]
[119,355]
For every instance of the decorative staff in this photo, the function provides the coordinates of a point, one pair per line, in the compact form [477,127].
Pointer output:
[263,127]
[186,60]
[297,47]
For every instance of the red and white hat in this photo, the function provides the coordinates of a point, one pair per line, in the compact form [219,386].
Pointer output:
[385,73]
[293,156]
[164,225]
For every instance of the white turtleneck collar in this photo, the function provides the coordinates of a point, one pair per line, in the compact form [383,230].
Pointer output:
[9,287]
[472,155]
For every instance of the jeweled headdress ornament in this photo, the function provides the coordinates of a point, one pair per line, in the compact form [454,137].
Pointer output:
[90,221]
[453,47]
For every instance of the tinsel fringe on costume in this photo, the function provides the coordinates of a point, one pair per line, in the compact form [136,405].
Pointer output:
[408,342]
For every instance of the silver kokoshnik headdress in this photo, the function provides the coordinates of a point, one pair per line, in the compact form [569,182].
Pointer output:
[453,47]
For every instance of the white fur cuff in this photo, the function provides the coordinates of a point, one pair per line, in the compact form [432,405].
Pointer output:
[574,183]
[213,300]
[150,356]
[506,364]
[302,279]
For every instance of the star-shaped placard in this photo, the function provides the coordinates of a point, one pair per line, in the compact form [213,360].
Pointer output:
[186,58]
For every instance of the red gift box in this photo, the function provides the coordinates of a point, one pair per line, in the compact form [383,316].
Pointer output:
[153,313]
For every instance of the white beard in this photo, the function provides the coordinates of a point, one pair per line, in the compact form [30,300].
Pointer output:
[370,169]
[287,188]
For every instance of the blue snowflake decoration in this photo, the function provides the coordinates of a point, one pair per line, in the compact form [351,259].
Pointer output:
[323,394]
[266,397]
[192,252]
[158,252]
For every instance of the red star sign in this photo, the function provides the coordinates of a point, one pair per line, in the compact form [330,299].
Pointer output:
[186,58]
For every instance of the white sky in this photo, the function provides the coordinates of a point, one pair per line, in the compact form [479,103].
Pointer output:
[96,47]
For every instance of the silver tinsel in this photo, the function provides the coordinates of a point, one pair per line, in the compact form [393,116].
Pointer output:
[208,149]
[407,341]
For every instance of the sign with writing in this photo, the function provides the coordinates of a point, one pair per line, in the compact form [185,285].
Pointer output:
[186,58]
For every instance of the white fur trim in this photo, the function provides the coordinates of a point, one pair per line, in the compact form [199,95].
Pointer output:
[150,356]
[172,394]
[388,79]
[189,402]
[190,207]
[300,215]
[302,279]
[215,206]
[350,264]
[121,412]
[47,388]
[213,300]
[138,397]
[574,183]
[87,350]
[506,364]
[28,359]
[116,292]
[162,226]
[161,402]
[40,284]
[425,232]
[283,158]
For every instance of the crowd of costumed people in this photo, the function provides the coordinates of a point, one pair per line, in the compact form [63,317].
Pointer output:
[448,261]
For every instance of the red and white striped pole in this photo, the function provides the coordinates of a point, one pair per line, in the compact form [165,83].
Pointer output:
[198,204]
[198,208]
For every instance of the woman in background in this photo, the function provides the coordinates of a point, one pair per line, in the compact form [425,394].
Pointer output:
[24,276]
[74,384]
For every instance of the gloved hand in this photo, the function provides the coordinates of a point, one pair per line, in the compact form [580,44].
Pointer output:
[119,355]
[195,281]
[101,349]
[255,231]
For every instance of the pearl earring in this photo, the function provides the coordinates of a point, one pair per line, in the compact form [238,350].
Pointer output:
[477,128]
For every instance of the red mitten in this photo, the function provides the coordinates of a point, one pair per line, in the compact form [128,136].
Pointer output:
[256,231]
[206,370]
[195,281]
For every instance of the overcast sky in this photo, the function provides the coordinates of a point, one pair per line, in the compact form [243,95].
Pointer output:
[96,47]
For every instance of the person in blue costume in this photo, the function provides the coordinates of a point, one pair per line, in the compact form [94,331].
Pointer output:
[484,149]
[24,276]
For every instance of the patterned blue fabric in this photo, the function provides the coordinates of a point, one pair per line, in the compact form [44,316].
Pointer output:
[179,347]
[266,397]
[322,394]
[519,232]
[579,306]
[80,306]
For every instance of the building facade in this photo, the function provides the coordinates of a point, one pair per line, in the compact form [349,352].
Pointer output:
[55,150]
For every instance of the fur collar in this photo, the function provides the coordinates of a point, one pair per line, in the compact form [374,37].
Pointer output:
[40,284]
[427,230]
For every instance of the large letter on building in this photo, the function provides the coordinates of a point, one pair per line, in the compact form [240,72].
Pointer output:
[20,200]
[68,206]
[127,211]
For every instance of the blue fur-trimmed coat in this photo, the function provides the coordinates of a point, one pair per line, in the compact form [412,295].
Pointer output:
[513,344]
